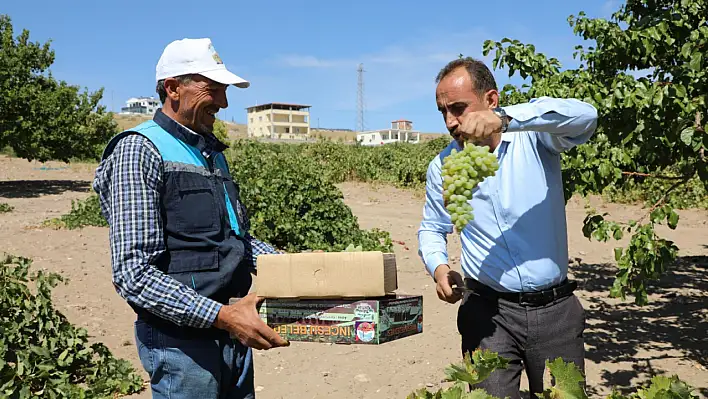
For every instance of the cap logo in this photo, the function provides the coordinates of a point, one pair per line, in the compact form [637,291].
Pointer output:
[214,54]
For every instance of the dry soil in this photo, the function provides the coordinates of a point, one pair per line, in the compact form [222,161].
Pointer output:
[626,344]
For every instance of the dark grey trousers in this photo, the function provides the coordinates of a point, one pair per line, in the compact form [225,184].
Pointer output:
[526,335]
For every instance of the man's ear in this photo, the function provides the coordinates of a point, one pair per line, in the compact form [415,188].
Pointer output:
[172,89]
[491,99]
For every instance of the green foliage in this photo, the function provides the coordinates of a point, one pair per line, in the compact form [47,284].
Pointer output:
[661,387]
[221,131]
[42,118]
[290,194]
[42,354]
[400,164]
[83,213]
[634,189]
[474,369]
[5,207]
[352,248]
[293,205]
[647,124]
[568,382]
[645,259]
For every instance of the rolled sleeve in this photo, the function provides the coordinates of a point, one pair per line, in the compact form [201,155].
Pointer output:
[561,124]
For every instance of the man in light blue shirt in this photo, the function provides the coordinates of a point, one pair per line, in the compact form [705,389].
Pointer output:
[514,251]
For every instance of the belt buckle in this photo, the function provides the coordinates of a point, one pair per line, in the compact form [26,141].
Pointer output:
[523,302]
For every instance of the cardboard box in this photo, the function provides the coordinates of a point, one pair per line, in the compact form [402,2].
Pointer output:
[327,275]
[355,321]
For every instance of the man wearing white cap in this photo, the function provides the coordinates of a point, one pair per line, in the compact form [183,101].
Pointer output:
[180,246]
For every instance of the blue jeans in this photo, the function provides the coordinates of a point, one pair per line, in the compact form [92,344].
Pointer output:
[188,367]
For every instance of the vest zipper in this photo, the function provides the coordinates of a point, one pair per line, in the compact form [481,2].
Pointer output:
[215,179]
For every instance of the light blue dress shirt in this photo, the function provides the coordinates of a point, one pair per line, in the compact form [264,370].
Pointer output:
[517,240]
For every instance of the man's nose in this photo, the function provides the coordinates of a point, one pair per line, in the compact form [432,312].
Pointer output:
[451,122]
[221,101]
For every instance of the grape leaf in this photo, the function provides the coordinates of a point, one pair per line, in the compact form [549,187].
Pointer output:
[479,394]
[454,392]
[476,368]
[663,387]
[616,395]
[422,394]
[568,381]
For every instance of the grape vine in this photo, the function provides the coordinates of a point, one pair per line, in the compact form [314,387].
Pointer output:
[290,193]
[41,353]
[568,381]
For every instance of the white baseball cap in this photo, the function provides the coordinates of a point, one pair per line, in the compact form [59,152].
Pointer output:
[195,56]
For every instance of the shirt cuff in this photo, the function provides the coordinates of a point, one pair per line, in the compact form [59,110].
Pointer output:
[433,260]
[514,125]
[519,114]
[205,312]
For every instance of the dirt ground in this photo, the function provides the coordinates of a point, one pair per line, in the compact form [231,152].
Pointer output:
[625,344]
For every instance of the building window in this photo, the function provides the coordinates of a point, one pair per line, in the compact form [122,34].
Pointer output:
[287,130]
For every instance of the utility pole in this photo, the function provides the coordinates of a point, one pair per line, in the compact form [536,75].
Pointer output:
[360,99]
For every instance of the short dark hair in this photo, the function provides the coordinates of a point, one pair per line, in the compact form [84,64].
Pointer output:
[482,78]
[160,87]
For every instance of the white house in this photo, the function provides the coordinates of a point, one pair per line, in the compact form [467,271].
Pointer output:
[141,105]
[401,131]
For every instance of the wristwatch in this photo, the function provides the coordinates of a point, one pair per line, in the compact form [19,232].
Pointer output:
[499,111]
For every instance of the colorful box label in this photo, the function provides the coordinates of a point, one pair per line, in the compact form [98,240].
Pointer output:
[369,321]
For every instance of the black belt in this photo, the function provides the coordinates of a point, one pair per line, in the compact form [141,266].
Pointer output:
[536,298]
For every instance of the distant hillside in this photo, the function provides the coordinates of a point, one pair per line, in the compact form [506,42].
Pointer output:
[236,130]
[239,130]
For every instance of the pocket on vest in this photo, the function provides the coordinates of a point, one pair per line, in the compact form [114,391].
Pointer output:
[195,210]
[193,260]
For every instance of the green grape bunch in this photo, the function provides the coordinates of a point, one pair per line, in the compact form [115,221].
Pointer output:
[352,248]
[462,171]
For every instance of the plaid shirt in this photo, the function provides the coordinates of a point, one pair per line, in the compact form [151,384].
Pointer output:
[128,184]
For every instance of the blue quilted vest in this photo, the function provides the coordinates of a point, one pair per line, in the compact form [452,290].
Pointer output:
[201,212]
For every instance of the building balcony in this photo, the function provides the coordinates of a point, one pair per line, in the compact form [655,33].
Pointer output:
[286,123]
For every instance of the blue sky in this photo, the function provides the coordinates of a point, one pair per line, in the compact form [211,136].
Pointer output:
[304,52]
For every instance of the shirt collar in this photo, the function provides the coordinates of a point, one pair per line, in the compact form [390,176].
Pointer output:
[204,143]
